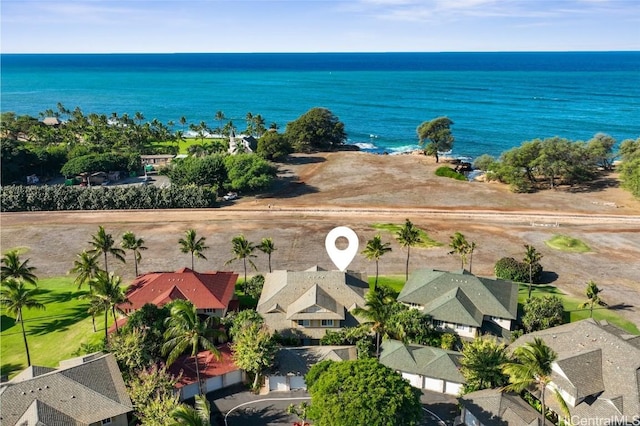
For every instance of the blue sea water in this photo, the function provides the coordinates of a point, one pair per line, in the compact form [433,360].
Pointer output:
[496,100]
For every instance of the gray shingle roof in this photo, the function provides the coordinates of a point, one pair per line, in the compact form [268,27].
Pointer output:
[493,407]
[86,393]
[299,360]
[580,347]
[461,296]
[423,360]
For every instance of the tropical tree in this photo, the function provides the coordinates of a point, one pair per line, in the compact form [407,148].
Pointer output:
[15,297]
[135,244]
[86,267]
[107,294]
[461,247]
[103,243]
[408,236]
[541,313]
[374,250]
[531,367]
[317,129]
[438,134]
[186,330]
[200,415]
[242,249]
[380,306]
[194,245]
[531,258]
[482,360]
[254,349]
[593,296]
[268,247]
[13,267]
[301,410]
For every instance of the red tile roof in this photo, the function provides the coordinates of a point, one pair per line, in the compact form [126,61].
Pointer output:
[208,365]
[208,290]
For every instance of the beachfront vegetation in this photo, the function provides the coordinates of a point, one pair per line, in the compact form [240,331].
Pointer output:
[446,171]
[336,390]
[435,136]
[316,130]
[630,167]
[567,244]
[274,146]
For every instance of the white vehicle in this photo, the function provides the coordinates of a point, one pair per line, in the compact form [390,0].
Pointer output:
[230,196]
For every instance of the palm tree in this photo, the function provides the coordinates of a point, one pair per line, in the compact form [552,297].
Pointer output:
[531,366]
[194,245]
[267,246]
[107,294]
[242,249]
[103,243]
[481,363]
[408,236]
[86,266]
[374,250]
[531,257]
[200,415]
[185,329]
[131,242]
[594,299]
[12,267]
[14,297]
[379,307]
[462,248]
[220,117]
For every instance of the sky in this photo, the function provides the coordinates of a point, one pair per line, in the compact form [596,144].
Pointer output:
[167,26]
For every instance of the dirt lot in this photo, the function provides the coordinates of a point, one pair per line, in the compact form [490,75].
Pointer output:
[318,192]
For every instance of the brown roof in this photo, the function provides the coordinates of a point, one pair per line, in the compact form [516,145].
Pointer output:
[208,290]
[208,365]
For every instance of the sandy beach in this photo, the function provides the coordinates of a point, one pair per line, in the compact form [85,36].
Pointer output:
[317,192]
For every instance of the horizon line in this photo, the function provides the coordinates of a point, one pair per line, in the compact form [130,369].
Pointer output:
[321,52]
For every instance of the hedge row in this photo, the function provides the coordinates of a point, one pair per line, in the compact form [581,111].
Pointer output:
[60,198]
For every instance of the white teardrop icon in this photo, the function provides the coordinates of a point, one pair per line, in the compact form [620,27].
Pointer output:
[341,257]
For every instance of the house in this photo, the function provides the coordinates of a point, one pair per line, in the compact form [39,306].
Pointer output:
[242,143]
[425,367]
[155,161]
[463,303]
[305,304]
[215,373]
[597,371]
[212,293]
[491,407]
[291,364]
[52,121]
[88,390]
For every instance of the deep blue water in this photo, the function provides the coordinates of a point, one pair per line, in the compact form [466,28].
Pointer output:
[496,100]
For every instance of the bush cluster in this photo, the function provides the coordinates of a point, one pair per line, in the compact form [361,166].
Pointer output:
[59,198]
[511,269]
[446,171]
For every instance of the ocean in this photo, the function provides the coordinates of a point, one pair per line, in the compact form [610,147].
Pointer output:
[496,100]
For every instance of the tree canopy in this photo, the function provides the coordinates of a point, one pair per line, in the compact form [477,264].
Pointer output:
[317,129]
[362,392]
[435,136]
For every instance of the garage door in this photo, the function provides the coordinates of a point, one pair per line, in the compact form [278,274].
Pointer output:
[414,379]
[452,388]
[435,385]
[214,383]
[278,383]
[233,377]
[297,382]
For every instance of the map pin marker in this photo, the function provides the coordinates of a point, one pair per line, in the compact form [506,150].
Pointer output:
[341,258]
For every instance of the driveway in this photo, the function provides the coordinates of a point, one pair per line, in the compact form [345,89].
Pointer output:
[242,407]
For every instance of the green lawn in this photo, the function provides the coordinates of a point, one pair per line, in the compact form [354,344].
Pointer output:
[567,244]
[392,228]
[53,334]
[571,310]
[184,145]
[394,282]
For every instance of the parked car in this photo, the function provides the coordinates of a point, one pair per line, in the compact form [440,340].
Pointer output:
[230,196]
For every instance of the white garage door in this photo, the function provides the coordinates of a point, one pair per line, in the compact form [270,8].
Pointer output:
[435,385]
[452,388]
[278,383]
[189,391]
[233,377]
[414,379]
[297,382]
[214,383]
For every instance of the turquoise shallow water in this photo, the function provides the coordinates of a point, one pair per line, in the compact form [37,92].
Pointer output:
[496,100]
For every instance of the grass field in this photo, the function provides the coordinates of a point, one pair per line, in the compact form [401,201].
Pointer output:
[185,144]
[567,244]
[53,334]
[427,242]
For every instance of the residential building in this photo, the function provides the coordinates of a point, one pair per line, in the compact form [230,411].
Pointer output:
[492,407]
[306,304]
[88,391]
[212,293]
[597,371]
[463,303]
[425,367]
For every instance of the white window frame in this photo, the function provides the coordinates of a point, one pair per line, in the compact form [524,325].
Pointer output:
[326,323]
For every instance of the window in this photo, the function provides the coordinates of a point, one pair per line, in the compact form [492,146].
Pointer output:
[304,323]
[106,421]
[209,311]
[463,327]
[438,324]
[327,323]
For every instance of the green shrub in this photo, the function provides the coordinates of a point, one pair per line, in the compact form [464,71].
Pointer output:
[446,171]
[511,269]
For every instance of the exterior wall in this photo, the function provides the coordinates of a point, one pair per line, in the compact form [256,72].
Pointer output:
[459,329]
[120,420]
[219,313]
[502,322]
[316,324]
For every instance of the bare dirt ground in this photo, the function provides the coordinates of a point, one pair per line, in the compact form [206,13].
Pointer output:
[316,193]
